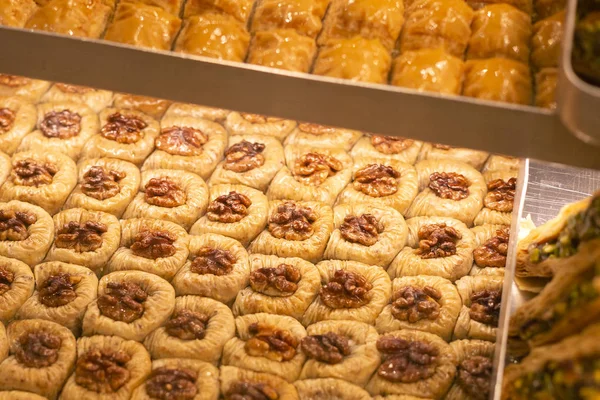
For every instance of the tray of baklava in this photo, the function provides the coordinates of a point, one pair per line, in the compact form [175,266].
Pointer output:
[157,250]
[498,50]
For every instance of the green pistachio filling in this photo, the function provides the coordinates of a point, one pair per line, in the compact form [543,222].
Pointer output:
[579,228]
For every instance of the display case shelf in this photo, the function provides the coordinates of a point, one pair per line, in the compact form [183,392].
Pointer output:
[520,131]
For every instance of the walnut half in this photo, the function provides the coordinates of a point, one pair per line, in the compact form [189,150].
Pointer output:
[213,261]
[292,222]
[181,141]
[376,180]
[124,129]
[163,192]
[406,361]
[346,290]
[449,185]
[412,303]
[37,349]
[14,224]
[122,301]
[101,184]
[390,144]
[485,307]
[102,371]
[279,281]
[244,156]
[437,240]
[58,290]
[63,124]
[474,376]
[493,252]
[251,391]
[187,325]
[364,229]
[229,208]
[314,168]
[270,342]
[7,118]
[80,237]
[154,244]
[29,172]
[172,384]
[329,348]
[6,279]
[501,195]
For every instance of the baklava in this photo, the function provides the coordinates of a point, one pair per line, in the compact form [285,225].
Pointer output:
[17,119]
[195,111]
[546,40]
[545,88]
[491,249]
[80,18]
[241,383]
[387,147]
[63,292]
[171,6]
[27,88]
[96,99]
[240,9]
[151,106]
[546,8]
[255,124]
[436,246]
[349,291]
[15,13]
[4,346]
[499,200]
[330,389]
[19,395]
[481,300]
[5,168]
[498,79]
[303,16]
[16,286]
[282,286]
[437,151]
[501,163]
[41,178]
[322,136]
[474,373]
[282,49]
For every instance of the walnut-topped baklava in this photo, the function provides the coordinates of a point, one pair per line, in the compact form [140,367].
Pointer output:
[491,249]
[16,286]
[256,124]
[321,137]
[17,119]
[26,88]
[387,147]
[96,99]
[481,297]
[498,202]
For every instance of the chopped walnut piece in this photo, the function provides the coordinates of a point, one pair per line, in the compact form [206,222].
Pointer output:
[66,88]
[58,290]
[125,129]
[229,208]
[329,348]
[292,222]
[80,237]
[29,172]
[163,192]
[181,141]
[412,303]
[474,376]
[500,195]
[493,252]
[346,290]
[259,119]
[449,185]
[314,168]
[376,180]
[390,144]
[251,391]
[441,146]
[485,306]
[102,371]
[213,261]
[279,281]
[364,229]
[14,225]
[154,244]
[270,342]
[37,349]
[316,129]
[187,325]
[437,240]
[406,361]
[7,117]
[101,184]
[63,124]
[6,279]
[244,156]
[172,384]
[122,301]
[13,80]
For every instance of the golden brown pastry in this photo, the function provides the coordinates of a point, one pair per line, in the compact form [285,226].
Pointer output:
[304,16]
[282,286]
[501,163]
[151,106]
[380,19]
[398,397]
[436,246]
[63,291]
[42,354]
[448,188]
[236,211]
[26,232]
[170,195]
[401,373]
[381,182]
[5,168]
[523,5]
[311,174]
[424,303]
[188,143]
[171,6]
[322,136]
[81,18]
[19,395]
[96,99]
[217,267]
[251,160]
[436,151]
[498,202]
[368,233]
[107,368]
[105,184]
[198,328]
[125,134]
[195,111]
[41,178]
[143,25]
[481,297]
[295,229]
[87,238]
[27,88]
[242,382]
[341,350]
[180,378]
[491,248]
[349,291]
[546,41]
[545,88]
[150,245]
[16,286]
[500,30]
[130,304]
[255,124]
[474,372]
[266,343]
[219,36]
[3,343]
[387,147]
[282,49]
[498,79]
[546,8]
[330,389]
[62,127]
[430,70]
[240,9]
[17,119]
[16,12]
[357,59]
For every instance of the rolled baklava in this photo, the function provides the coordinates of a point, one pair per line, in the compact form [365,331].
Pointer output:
[96,99]
[545,88]
[474,372]
[303,16]
[5,167]
[491,248]
[178,110]
[546,39]
[501,163]
[82,18]
[27,88]
[329,388]
[16,286]
[499,200]
[255,124]
[15,13]
[481,298]
[498,79]
[240,383]
[322,136]
[437,151]
[387,147]
[282,49]
[17,119]
[151,106]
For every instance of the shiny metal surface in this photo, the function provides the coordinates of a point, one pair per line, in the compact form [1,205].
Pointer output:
[383,109]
